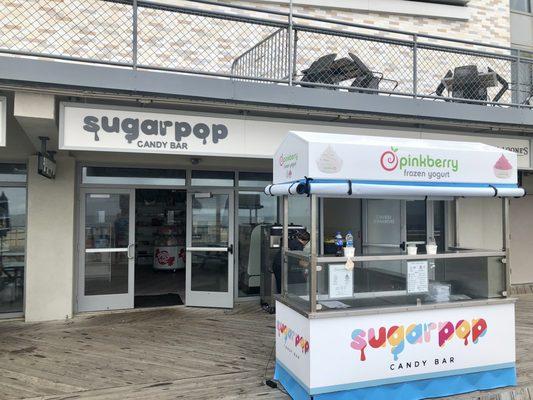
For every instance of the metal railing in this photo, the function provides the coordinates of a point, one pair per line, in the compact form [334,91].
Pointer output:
[269,46]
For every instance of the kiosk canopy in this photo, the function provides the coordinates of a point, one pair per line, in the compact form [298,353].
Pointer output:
[369,166]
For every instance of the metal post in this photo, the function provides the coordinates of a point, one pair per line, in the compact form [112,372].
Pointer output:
[506,239]
[314,251]
[415,65]
[456,237]
[285,248]
[430,220]
[518,81]
[134,44]
[294,52]
[290,47]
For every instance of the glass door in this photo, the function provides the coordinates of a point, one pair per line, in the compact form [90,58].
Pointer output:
[209,266]
[107,251]
[383,233]
[383,226]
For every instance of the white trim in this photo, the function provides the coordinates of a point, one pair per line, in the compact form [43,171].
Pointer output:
[107,250]
[219,249]
[413,8]
[3,121]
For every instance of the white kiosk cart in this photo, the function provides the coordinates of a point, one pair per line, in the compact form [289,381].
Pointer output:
[387,323]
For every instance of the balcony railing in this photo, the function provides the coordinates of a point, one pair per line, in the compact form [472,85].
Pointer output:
[268,46]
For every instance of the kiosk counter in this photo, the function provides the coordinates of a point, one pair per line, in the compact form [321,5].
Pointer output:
[406,312]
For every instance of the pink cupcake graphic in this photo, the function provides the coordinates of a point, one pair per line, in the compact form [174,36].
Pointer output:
[503,168]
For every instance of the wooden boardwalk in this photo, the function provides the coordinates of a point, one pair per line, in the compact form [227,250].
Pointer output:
[173,353]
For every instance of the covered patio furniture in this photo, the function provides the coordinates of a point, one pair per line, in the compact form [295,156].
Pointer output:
[319,71]
[366,78]
[328,70]
[467,82]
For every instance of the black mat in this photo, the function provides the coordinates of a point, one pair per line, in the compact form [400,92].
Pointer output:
[158,300]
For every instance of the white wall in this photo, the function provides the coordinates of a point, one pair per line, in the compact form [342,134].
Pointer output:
[479,223]
[521,227]
[50,242]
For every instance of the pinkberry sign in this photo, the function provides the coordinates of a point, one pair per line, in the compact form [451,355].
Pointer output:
[369,158]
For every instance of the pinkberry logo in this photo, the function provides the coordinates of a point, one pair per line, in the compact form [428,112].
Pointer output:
[288,159]
[389,159]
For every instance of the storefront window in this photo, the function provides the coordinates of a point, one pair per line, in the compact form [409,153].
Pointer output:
[106,227]
[300,211]
[212,178]
[254,179]
[12,173]
[521,5]
[133,176]
[257,212]
[12,248]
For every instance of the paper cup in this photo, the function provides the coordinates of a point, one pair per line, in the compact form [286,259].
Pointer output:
[431,249]
[349,251]
[412,250]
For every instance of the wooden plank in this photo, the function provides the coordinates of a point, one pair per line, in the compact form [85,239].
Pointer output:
[173,353]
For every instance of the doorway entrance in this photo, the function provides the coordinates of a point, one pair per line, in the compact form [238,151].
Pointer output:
[160,226]
[105,279]
[209,270]
[155,247]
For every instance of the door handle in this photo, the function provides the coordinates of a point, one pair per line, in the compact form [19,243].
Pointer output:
[131,246]
[230,249]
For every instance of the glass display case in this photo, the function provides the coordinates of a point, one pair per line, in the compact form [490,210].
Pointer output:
[383,274]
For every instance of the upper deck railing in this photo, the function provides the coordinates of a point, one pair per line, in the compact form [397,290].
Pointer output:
[268,46]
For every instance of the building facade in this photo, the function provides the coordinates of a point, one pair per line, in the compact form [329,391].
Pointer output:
[163,120]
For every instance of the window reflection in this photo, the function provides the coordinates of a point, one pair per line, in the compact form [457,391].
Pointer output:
[257,211]
[521,5]
[212,178]
[12,245]
[254,179]
[210,220]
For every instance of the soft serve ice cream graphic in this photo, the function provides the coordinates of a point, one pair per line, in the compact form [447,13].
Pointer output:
[503,168]
[329,161]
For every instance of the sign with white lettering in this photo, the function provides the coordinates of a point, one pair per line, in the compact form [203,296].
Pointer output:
[357,351]
[3,121]
[46,167]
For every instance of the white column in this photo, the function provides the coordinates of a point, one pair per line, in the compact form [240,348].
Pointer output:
[50,242]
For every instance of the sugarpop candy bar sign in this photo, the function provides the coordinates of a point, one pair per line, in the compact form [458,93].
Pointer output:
[364,350]
[140,130]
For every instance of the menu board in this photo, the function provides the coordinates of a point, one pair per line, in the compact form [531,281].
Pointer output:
[340,281]
[417,277]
